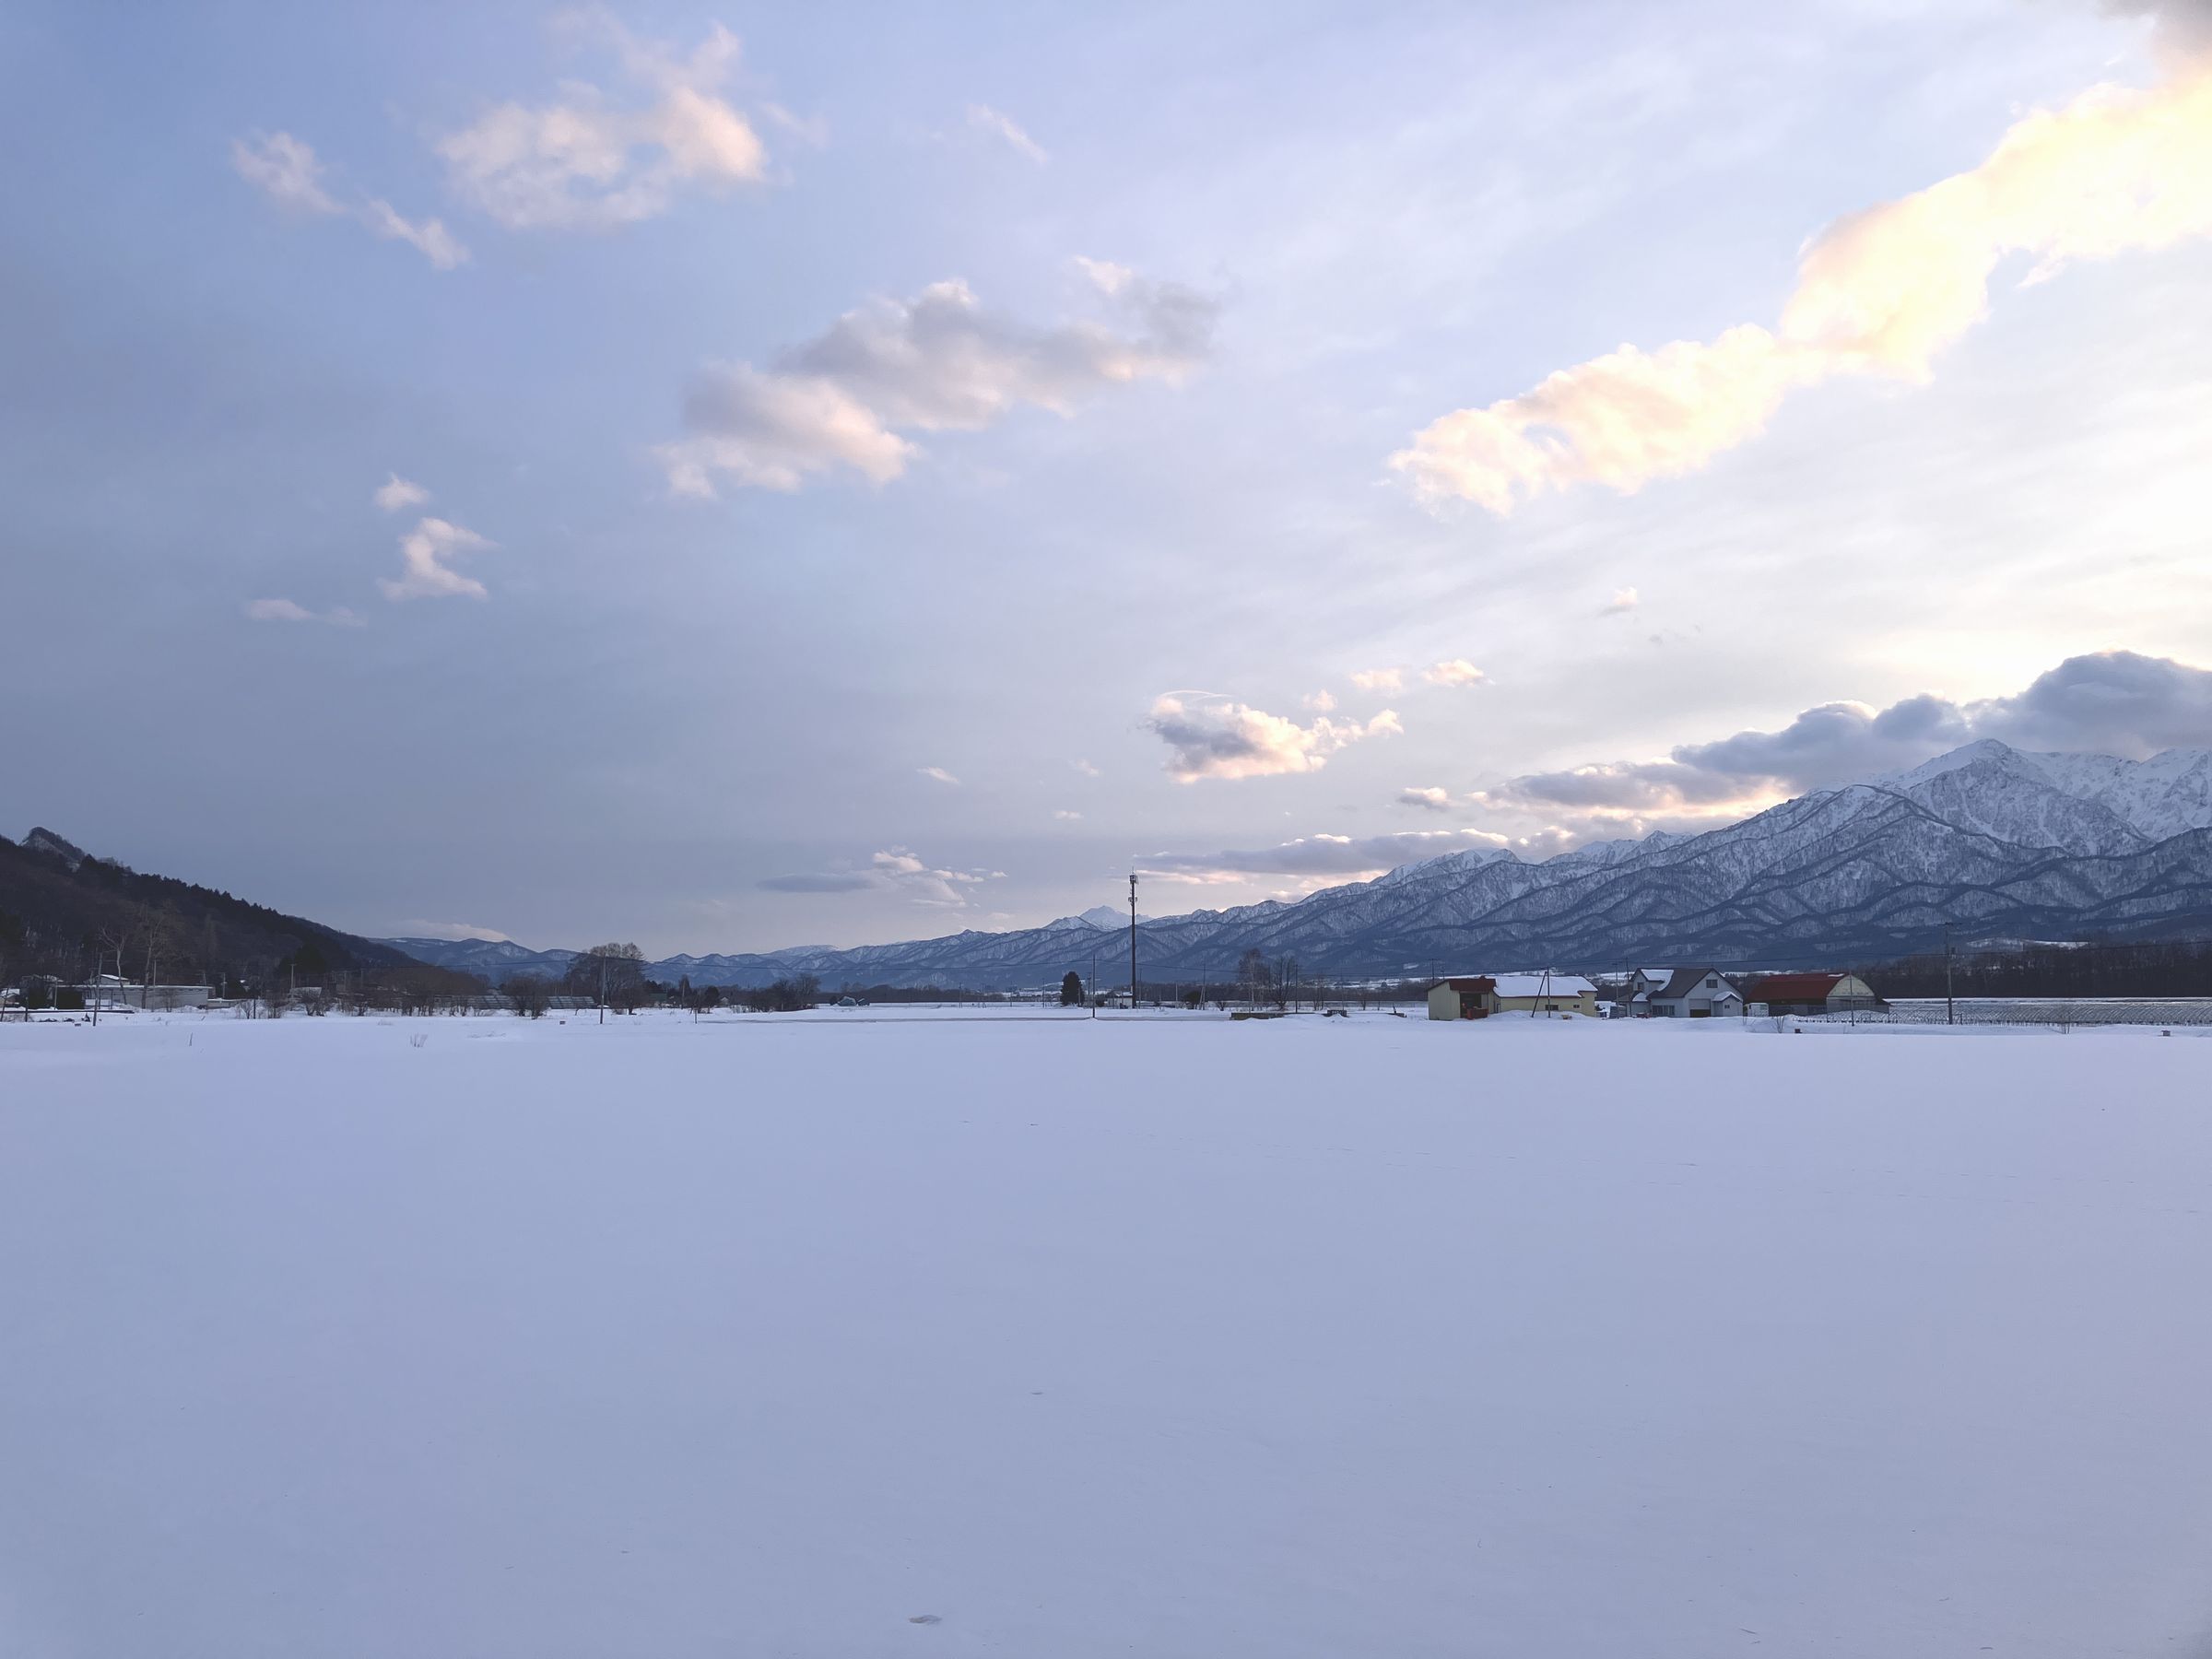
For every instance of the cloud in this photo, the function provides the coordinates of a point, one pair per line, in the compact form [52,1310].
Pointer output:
[1321,702]
[894,870]
[1224,739]
[397,494]
[2108,702]
[285,610]
[1333,856]
[996,124]
[1065,816]
[899,871]
[285,170]
[1457,672]
[1624,600]
[451,930]
[938,773]
[1880,292]
[423,552]
[427,237]
[851,881]
[813,130]
[1379,679]
[2112,702]
[1434,800]
[2181,29]
[1621,787]
[940,361]
[1085,768]
[585,161]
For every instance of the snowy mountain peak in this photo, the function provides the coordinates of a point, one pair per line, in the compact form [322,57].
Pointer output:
[1982,748]
[1108,916]
[2081,801]
[1445,863]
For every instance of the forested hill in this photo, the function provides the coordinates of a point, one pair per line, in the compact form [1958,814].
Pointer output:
[60,907]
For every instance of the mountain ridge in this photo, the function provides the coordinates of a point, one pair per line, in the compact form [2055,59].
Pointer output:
[1989,839]
[63,910]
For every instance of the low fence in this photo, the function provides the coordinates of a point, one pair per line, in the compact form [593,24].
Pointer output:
[2054,1013]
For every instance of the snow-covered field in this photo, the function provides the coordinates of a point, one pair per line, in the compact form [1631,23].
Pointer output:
[1044,1337]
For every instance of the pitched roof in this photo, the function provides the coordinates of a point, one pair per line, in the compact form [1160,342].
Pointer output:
[1687,980]
[1564,985]
[1567,985]
[1793,987]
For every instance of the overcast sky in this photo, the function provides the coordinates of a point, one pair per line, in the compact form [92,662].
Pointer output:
[736,478]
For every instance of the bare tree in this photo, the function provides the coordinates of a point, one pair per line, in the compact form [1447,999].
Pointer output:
[612,974]
[1252,976]
[113,942]
[529,994]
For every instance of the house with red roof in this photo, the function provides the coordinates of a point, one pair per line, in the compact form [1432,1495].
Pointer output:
[1811,994]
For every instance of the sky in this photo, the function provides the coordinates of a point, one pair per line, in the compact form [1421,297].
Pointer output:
[730,478]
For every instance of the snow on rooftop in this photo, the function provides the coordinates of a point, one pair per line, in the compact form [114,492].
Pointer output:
[1529,984]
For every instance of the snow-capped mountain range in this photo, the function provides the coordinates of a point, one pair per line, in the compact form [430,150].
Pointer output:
[1995,841]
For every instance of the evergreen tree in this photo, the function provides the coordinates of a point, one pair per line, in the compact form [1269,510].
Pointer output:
[1071,990]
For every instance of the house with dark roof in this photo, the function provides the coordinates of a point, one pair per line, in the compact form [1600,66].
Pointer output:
[1697,993]
[1643,984]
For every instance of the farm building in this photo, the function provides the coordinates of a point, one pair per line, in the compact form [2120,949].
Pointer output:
[1812,994]
[1697,993]
[1464,996]
[1545,993]
[1477,995]
[111,991]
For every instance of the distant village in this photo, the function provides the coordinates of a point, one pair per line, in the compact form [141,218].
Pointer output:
[1645,993]
[1653,993]
[2062,985]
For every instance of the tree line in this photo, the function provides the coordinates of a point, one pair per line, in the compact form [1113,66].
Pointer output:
[2168,967]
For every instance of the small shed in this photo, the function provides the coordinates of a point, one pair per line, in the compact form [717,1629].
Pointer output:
[1462,996]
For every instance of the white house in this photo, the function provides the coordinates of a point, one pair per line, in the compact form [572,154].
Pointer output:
[1643,984]
[1697,993]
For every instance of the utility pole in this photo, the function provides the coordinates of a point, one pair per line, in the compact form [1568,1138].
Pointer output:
[1950,1002]
[1093,998]
[1133,941]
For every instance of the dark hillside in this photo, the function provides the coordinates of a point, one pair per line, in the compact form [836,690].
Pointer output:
[62,909]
